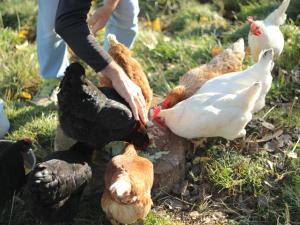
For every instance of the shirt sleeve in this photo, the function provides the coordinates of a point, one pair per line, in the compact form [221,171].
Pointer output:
[71,25]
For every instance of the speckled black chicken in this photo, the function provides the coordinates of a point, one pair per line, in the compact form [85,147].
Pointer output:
[16,160]
[96,116]
[56,185]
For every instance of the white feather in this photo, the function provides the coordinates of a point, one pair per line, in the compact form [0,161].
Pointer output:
[213,114]
[232,82]
[271,36]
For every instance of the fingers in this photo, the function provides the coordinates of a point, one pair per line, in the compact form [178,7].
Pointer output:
[138,107]
[97,26]
[142,109]
[132,94]
[134,108]
[91,20]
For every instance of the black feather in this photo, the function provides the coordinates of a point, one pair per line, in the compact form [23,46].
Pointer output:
[95,115]
[12,172]
[56,185]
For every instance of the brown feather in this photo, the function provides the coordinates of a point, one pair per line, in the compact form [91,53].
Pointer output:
[123,56]
[136,170]
[230,60]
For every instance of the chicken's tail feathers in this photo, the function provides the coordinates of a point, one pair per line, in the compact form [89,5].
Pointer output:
[250,94]
[278,16]
[112,39]
[239,45]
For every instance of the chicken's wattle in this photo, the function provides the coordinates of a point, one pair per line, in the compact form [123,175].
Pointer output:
[254,29]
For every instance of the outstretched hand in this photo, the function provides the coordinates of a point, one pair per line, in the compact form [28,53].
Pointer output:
[128,90]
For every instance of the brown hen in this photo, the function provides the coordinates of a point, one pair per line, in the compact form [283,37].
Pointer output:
[123,56]
[128,183]
[230,60]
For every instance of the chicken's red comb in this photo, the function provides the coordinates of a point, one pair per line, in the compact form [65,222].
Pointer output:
[28,141]
[156,111]
[250,19]
[165,104]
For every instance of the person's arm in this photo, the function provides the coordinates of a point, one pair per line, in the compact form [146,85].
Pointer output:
[71,25]
[101,15]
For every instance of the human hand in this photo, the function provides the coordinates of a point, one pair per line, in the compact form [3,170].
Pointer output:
[99,18]
[128,90]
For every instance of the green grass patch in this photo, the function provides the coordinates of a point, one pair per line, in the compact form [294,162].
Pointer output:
[238,173]
[18,13]
[18,68]
[35,122]
[189,31]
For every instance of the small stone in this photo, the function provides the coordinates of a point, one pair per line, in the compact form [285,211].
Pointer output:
[194,215]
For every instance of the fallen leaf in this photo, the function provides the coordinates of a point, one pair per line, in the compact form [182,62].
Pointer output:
[200,159]
[271,164]
[24,33]
[283,140]
[292,155]
[269,137]
[22,46]
[252,147]
[271,146]
[204,19]
[156,24]
[268,184]
[268,125]
[215,51]
[25,95]
[194,215]
[148,24]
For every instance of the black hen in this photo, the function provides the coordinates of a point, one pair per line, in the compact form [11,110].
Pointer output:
[14,158]
[55,186]
[96,115]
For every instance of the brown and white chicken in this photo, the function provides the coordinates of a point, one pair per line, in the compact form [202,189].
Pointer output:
[211,114]
[123,56]
[266,34]
[230,60]
[128,182]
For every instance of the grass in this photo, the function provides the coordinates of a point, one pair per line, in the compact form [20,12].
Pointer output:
[250,181]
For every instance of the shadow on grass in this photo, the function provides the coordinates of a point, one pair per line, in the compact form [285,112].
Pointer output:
[35,122]
[25,112]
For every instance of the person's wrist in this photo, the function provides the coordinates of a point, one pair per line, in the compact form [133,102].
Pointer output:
[108,8]
[111,5]
[111,71]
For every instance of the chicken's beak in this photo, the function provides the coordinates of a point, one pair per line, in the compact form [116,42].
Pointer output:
[29,161]
[250,19]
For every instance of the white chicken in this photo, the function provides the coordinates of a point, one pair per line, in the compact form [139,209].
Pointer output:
[265,34]
[231,82]
[211,114]
[229,60]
